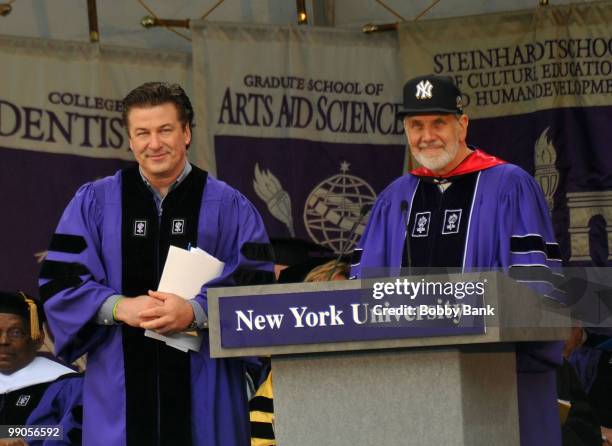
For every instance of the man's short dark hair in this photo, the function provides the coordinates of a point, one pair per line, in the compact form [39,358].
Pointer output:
[150,94]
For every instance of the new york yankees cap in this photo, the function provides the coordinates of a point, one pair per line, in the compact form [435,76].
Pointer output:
[430,94]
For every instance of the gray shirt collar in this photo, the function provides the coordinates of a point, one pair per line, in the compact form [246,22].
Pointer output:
[158,198]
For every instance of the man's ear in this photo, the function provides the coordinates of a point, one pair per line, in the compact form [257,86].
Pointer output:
[187,134]
[463,126]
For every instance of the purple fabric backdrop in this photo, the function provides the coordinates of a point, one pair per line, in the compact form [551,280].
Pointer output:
[35,189]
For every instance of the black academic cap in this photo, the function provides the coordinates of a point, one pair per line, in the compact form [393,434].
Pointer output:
[294,251]
[297,273]
[300,255]
[25,306]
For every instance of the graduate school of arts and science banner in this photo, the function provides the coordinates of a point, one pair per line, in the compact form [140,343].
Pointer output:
[537,86]
[301,121]
[60,126]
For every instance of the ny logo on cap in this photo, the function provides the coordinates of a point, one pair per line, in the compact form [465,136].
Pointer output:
[424,90]
[459,103]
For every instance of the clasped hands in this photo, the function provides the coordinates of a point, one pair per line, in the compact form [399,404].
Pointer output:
[164,313]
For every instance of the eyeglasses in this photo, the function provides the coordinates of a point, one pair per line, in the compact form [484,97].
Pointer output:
[15,334]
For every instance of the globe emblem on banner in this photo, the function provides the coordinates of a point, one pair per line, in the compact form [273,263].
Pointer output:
[333,208]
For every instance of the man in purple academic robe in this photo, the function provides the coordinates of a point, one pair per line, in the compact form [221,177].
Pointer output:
[104,265]
[464,208]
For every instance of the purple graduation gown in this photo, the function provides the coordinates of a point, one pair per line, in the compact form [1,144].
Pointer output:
[507,203]
[62,404]
[80,278]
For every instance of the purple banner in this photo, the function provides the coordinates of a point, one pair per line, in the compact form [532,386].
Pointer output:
[568,152]
[309,189]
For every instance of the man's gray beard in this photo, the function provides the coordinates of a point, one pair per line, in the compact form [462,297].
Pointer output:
[438,162]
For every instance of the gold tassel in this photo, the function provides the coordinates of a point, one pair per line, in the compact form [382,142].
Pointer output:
[34,325]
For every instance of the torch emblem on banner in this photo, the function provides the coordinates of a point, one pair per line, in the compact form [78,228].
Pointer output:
[268,188]
[334,207]
[546,174]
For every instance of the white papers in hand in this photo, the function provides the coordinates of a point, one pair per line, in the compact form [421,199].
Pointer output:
[186,271]
[184,274]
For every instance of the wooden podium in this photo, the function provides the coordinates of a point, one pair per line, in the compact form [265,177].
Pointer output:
[433,390]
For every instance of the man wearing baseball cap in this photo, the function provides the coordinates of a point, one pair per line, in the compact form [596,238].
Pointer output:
[463,208]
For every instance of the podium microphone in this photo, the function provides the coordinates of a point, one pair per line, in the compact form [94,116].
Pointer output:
[362,213]
[404,208]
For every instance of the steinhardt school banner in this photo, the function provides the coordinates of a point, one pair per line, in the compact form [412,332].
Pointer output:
[301,121]
[538,88]
[60,126]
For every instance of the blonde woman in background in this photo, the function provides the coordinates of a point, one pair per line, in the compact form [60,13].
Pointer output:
[261,405]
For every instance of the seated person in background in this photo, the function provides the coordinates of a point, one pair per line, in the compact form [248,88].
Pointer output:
[332,270]
[294,258]
[34,389]
[592,362]
[261,414]
[261,406]
[580,425]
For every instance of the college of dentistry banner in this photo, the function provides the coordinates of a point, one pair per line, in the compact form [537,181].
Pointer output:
[60,126]
[538,88]
[301,121]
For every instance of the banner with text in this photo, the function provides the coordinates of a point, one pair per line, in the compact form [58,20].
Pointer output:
[60,126]
[301,121]
[538,87]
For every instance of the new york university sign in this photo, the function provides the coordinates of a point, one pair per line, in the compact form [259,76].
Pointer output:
[362,310]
